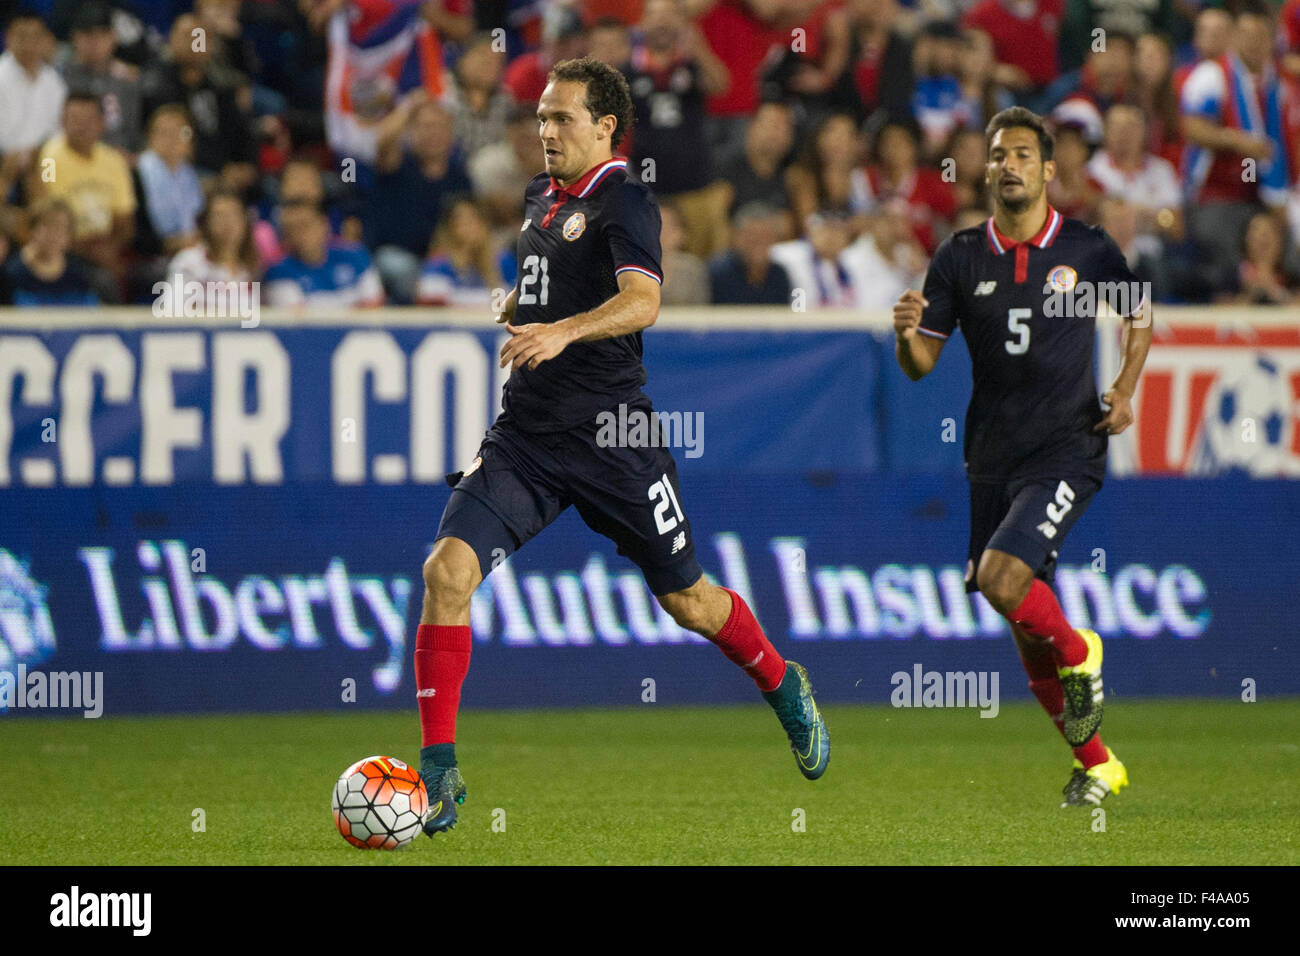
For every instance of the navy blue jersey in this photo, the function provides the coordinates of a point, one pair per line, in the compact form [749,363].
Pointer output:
[1028,314]
[570,256]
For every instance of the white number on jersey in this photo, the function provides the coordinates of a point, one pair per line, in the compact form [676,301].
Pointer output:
[1016,325]
[534,266]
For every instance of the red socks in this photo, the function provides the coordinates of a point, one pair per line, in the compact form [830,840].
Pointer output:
[1042,617]
[1046,686]
[441,663]
[746,646]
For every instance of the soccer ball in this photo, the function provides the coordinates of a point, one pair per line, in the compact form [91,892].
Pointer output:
[379,804]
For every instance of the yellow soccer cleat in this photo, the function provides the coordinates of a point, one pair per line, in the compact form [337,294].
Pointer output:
[1089,787]
[1082,688]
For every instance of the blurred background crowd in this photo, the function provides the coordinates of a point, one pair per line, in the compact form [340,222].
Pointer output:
[366,152]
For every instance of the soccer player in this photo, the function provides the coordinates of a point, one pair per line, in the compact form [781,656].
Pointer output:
[1023,287]
[589,277]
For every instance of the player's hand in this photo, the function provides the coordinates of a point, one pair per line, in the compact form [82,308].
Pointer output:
[532,344]
[1120,415]
[907,311]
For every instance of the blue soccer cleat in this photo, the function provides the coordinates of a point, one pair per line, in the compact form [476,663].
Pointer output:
[446,789]
[803,723]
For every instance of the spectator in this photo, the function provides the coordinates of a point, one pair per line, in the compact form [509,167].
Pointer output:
[814,75]
[318,272]
[42,273]
[608,41]
[1211,39]
[982,95]
[1260,277]
[1156,97]
[686,277]
[31,96]
[95,69]
[745,274]
[1071,192]
[1128,17]
[1106,78]
[95,181]
[171,192]
[480,104]
[672,72]
[742,34]
[1124,169]
[1025,36]
[499,172]
[880,58]
[1119,218]
[563,38]
[968,153]
[1222,198]
[896,173]
[225,251]
[830,175]
[937,102]
[463,268]
[412,186]
[1289,26]
[223,135]
[886,259]
[819,277]
[758,172]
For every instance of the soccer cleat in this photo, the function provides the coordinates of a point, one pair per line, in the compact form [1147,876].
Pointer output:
[1089,787]
[803,723]
[446,788]
[1081,685]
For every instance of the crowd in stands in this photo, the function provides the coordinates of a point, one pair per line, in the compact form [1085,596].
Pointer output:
[804,153]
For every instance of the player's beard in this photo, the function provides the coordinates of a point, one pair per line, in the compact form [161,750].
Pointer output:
[1018,204]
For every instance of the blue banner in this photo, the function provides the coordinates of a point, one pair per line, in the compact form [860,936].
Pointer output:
[307,597]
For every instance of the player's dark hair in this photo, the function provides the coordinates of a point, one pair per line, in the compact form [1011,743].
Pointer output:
[1017,116]
[607,91]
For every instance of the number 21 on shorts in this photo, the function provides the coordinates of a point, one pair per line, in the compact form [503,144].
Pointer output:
[1057,510]
[661,493]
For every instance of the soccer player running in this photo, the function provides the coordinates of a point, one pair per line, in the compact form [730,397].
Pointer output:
[1036,436]
[588,284]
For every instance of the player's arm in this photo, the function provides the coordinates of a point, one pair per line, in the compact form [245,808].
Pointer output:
[634,307]
[1137,342]
[916,352]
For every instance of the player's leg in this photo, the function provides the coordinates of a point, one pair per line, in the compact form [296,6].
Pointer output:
[632,497]
[1015,572]
[722,616]
[494,509]
[1093,760]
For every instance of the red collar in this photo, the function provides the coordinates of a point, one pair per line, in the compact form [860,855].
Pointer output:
[588,180]
[1044,237]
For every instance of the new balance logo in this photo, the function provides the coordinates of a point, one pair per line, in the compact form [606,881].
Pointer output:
[427,692]
[679,542]
[524,227]
[986,288]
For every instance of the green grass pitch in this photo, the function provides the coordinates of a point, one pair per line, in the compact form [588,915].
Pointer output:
[1214,782]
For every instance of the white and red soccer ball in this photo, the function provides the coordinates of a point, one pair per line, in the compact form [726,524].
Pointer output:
[379,804]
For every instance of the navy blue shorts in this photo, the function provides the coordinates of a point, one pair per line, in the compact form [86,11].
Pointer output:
[522,481]
[1028,518]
